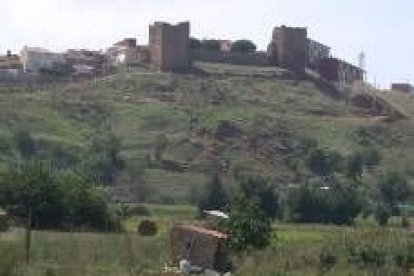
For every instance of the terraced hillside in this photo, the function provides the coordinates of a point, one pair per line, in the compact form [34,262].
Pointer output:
[176,129]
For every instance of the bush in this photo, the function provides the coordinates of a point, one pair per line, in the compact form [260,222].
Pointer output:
[147,228]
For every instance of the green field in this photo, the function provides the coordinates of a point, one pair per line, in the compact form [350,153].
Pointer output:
[294,250]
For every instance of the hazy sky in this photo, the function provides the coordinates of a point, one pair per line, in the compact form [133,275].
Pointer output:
[384,29]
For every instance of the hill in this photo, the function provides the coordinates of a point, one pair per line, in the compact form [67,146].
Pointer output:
[176,129]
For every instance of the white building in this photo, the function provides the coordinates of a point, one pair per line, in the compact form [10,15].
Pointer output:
[35,59]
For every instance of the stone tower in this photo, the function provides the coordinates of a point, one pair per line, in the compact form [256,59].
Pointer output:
[289,48]
[170,46]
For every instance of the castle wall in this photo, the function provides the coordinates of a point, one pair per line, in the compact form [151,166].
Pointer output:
[252,59]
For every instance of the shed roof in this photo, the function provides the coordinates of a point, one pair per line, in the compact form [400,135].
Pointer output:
[204,231]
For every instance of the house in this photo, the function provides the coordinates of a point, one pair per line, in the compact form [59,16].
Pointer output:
[200,246]
[35,59]
[10,61]
[225,45]
[127,52]
[339,71]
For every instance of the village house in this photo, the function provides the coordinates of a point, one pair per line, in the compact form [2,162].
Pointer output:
[225,45]
[35,59]
[127,53]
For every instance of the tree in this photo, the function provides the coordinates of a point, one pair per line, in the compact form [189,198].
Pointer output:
[104,163]
[393,189]
[214,196]
[52,199]
[24,143]
[32,193]
[355,166]
[210,45]
[247,225]
[256,186]
[323,162]
[243,46]
[161,144]
[372,157]
[339,204]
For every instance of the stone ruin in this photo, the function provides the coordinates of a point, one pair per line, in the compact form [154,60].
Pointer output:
[200,246]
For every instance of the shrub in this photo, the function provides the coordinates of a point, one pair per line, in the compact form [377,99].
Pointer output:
[147,228]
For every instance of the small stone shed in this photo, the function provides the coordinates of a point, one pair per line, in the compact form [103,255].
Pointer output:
[200,246]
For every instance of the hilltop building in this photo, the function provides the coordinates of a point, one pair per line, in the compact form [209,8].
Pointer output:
[170,46]
[402,87]
[225,45]
[127,53]
[289,48]
[36,59]
[336,70]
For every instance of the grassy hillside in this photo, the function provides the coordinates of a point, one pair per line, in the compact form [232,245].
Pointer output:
[221,117]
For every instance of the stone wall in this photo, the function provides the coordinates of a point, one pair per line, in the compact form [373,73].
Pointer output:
[316,52]
[170,46]
[336,70]
[402,87]
[289,48]
[254,59]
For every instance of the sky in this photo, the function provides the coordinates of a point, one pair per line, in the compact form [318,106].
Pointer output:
[382,29]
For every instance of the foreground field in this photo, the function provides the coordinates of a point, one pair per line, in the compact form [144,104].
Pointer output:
[294,250]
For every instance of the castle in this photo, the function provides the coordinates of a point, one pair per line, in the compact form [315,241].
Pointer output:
[169,49]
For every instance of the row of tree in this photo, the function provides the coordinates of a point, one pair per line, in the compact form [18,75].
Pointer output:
[49,198]
[334,193]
